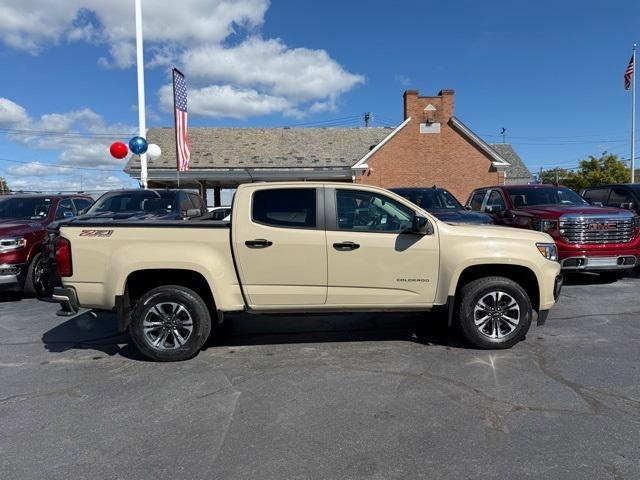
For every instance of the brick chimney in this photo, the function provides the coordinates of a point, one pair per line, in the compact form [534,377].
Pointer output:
[428,109]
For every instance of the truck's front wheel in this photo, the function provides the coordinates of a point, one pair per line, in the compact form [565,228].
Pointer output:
[170,323]
[493,312]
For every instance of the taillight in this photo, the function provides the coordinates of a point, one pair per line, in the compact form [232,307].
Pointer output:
[63,257]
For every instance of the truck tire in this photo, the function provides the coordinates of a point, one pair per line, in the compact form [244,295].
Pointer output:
[493,313]
[170,323]
[37,281]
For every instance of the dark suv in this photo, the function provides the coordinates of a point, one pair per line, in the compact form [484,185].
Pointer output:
[442,205]
[588,237]
[23,224]
[157,204]
[620,196]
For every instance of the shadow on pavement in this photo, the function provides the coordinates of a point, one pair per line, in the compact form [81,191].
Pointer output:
[84,332]
[426,329]
[590,278]
[6,297]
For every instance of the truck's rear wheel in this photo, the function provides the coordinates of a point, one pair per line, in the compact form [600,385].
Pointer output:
[170,323]
[493,312]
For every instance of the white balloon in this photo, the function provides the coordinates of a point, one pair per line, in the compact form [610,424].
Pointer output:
[153,151]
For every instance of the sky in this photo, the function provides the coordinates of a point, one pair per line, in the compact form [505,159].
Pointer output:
[549,72]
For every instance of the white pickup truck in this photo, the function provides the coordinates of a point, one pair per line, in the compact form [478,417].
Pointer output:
[305,247]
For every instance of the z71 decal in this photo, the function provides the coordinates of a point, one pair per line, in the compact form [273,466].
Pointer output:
[96,233]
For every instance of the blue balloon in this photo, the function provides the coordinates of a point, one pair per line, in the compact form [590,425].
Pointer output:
[138,145]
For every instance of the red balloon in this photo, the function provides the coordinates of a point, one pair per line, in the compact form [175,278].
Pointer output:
[118,150]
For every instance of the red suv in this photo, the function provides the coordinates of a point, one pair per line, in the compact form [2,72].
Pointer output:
[23,222]
[589,238]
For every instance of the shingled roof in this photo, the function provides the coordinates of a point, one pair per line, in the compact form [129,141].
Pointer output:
[228,148]
[518,171]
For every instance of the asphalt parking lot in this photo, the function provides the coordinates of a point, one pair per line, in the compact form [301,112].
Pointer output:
[340,397]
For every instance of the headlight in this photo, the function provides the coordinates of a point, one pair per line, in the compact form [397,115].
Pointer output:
[10,244]
[546,225]
[548,250]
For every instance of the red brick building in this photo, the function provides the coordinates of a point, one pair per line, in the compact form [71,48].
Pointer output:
[430,147]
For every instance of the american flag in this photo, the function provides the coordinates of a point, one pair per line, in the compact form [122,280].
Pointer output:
[183,149]
[628,74]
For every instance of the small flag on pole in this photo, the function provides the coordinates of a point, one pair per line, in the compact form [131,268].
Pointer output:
[183,149]
[628,74]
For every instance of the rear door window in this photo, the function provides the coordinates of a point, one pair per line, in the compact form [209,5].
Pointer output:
[64,210]
[81,203]
[496,200]
[476,200]
[619,196]
[285,207]
[597,195]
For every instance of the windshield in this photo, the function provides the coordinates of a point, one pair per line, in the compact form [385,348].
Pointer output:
[25,208]
[525,197]
[138,201]
[431,199]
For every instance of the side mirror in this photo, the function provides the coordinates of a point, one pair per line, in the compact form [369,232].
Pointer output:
[83,211]
[420,225]
[627,206]
[193,212]
[597,204]
[494,209]
[467,207]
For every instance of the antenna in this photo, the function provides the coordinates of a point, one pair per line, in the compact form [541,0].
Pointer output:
[367,118]
[503,132]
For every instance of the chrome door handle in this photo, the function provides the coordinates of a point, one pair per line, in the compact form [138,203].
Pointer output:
[258,243]
[346,246]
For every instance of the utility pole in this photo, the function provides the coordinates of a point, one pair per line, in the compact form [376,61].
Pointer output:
[141,102]
[367,118]
[540,176]
[633,118]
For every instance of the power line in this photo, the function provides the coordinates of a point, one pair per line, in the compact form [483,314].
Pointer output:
[57,165]
[56,133]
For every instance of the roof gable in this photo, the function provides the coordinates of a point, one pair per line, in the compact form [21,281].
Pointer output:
[517,170]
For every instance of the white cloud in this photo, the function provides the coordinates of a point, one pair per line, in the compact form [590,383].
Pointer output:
[37,169]
[88,182]
[31,24]
[268,76]
[227,101]
[83,159]
[296,73]
[12,115]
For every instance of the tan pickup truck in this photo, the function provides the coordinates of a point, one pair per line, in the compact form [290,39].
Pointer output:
[305,247]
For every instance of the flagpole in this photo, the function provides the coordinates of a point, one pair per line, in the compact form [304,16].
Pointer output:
[633,118]
[141,102]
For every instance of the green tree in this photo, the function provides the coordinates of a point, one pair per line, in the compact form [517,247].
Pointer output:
[554,175]
[607,168]
[4,188]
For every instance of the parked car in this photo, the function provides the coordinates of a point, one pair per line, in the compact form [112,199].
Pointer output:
[623,195]
[165,204]
[443,205]
[589,238]
[305,246]
[23,222]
